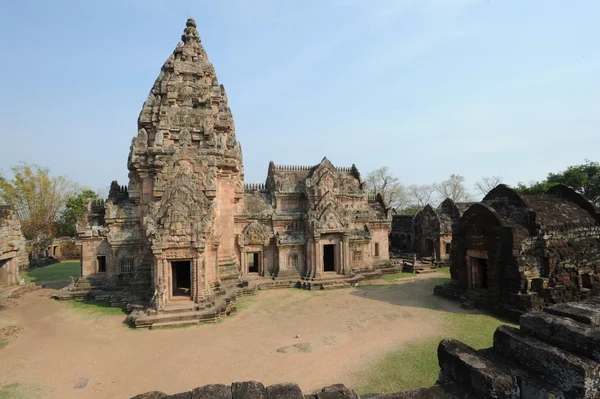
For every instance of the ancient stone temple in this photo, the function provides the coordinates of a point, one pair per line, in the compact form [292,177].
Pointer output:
[523,252]
[433,228]
[186,225]
[13,257]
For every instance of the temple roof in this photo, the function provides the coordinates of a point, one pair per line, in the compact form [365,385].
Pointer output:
[553,211]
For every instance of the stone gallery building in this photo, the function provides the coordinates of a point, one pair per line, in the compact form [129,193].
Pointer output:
[429,232]
[524,252]
[13,257]
[187,224]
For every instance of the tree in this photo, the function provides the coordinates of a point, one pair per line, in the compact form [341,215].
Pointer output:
[74,210]
[487,184]
[453,188]
[420,195]
[381,181]
[36,197]
[584,178]
[539,187]
[410,210]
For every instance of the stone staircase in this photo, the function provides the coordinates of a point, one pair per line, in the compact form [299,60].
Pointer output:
[554,354]
[184,313]
[386,268]
[229,270]
[117,291]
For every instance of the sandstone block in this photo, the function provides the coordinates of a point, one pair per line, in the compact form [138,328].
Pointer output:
[465,366]
[337,391]
[151,395]
[583,312]
[248,390]
[575,375]
[563,332]
[213,391]
[286,390]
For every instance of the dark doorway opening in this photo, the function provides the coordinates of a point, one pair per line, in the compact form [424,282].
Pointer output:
[428,248]
[253,262]
[101,264]
[182,282]
[480,273]
[448,248]
[329,257]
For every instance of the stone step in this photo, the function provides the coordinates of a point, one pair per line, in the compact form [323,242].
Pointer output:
[578,376]
[563,332]
[170,324]
[586,312]
[425,271]
[530,385]
[474,372]
[179,308]
[444,391]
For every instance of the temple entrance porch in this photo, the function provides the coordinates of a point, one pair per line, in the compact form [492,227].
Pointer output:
[329,258]
[181,279]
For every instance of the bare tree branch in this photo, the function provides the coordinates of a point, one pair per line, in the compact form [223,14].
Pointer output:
[381,181]
[486,184]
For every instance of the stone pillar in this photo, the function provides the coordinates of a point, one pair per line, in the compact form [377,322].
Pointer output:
[318,258]
[345,254]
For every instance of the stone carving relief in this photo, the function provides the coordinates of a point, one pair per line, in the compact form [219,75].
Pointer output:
[185,138]
[185,213]
[255,234]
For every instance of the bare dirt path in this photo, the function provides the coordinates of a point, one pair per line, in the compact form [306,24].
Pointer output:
[341,333]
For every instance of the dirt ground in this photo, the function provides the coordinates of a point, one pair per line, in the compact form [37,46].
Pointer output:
[341,334]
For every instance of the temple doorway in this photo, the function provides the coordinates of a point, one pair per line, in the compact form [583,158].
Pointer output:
[253,262]
[479,273]
[182,281]
[329,257]
[428,248]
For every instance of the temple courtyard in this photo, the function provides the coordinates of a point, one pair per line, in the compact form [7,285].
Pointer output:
[375,338]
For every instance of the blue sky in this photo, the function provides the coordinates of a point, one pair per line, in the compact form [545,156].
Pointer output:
[426,87]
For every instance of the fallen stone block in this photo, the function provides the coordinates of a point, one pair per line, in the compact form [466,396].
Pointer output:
[248,390]
[287,390]
[213,391]
[563,332]
[573,374]
[476,374]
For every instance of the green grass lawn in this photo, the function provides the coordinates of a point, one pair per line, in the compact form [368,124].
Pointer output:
[416,365]
[95,309]
[56,272]
[392,277]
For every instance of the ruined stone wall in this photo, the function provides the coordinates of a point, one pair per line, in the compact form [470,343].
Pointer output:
[13,256]
[553,355]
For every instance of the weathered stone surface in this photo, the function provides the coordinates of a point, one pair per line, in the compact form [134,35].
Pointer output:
[337,391]
[248,390]
[573,374]
[528,251]
[563,332]
[13,256]
[182,395]
[286,390]
[151,395]
[582,312]
[214,391]
[475,373]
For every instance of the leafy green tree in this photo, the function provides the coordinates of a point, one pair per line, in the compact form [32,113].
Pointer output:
[584,178]
[37,197]
[74,210]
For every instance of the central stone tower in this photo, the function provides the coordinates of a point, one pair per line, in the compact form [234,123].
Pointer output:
[186,174]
